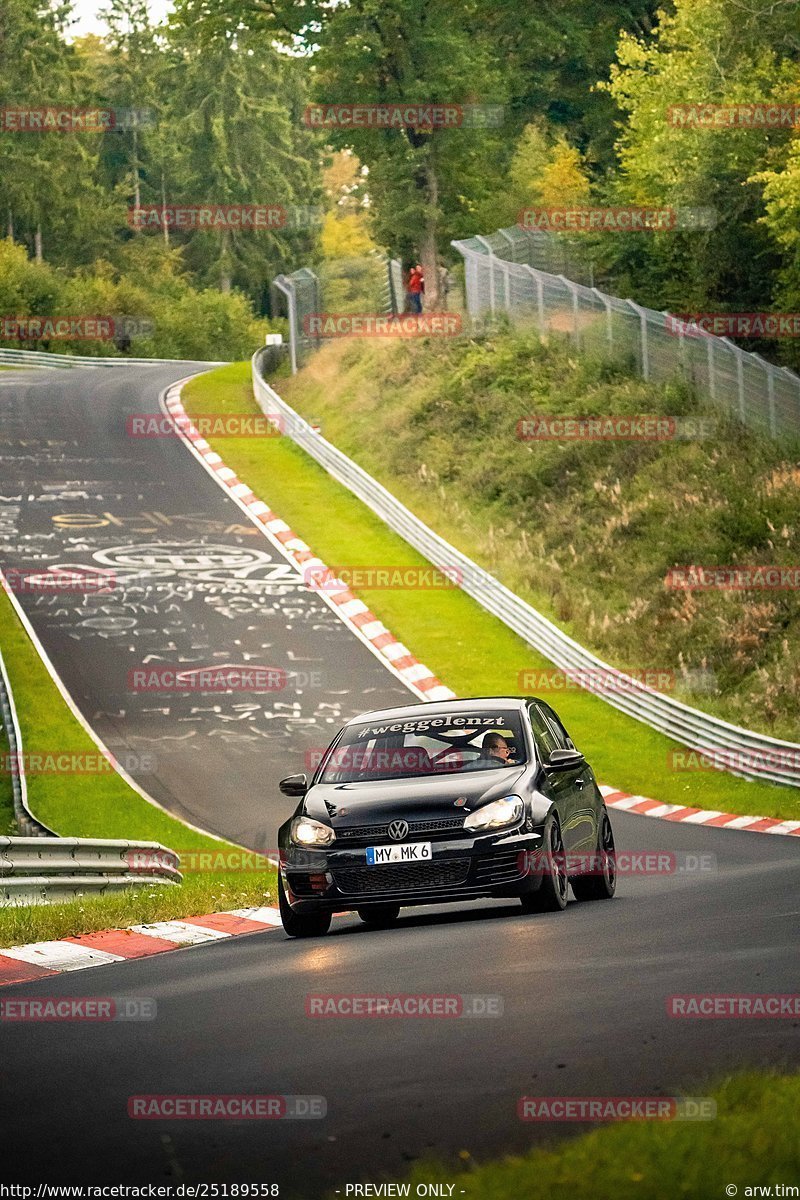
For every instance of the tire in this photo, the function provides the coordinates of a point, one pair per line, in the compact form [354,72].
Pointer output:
[301,925]
[603,885]
[379,916]
[553,892]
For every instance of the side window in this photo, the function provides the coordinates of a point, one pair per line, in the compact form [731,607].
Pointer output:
[562,737]
[543,734]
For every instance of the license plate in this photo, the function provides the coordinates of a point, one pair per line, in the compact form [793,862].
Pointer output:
[408,852]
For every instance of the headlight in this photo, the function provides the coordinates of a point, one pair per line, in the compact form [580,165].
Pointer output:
[308,832]
[495,815]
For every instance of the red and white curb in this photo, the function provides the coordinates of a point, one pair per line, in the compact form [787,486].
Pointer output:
[23,964]
[645,807]
[347,606]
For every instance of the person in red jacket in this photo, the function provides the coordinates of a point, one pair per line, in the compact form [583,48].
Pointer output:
[416,287]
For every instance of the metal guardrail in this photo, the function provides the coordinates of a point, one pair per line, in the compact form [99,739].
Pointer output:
[41,358]
[27,823]
[779,760]
[41,867]
[40,870]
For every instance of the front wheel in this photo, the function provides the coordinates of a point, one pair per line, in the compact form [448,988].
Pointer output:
[552,894]
[301,925]
[602,882]
[379,916]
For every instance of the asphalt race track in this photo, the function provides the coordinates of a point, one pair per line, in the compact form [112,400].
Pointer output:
[193,582]
[583,992]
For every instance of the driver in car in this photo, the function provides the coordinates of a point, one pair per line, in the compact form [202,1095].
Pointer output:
[495,752]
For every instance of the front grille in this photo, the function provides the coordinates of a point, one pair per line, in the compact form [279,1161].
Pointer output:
[403,877]
[503,867]
[381,832]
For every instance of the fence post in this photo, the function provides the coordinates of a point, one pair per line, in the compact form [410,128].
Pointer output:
[681,351]
[507,286]
[712,371]
[740,383]
[609,323]
[645,348]
[573,291]
[491,256]
[395,272]
[537,279]
[773,425]
[287,287]
[510,240]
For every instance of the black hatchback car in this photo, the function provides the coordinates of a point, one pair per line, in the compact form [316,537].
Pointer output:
[435,803]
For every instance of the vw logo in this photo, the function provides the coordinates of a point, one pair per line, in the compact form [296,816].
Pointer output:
[398,830]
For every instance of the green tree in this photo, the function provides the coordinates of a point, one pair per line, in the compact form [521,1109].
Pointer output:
[48,193]
[721,51]
[234,107]
[424,185]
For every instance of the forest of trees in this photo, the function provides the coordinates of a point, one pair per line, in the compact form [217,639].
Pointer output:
[221,90]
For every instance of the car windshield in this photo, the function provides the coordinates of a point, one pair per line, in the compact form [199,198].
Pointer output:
[431,745]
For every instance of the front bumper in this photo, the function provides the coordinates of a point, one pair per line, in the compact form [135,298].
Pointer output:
[463,868]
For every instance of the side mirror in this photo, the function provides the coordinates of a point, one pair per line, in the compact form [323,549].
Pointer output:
[564,760]
[294,785]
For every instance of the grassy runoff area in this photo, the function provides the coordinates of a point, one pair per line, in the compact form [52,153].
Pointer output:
[471,651]
[752,1142]
[102,806]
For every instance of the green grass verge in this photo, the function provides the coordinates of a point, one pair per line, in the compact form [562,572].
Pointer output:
[752,1142]
[102,806]
[8,825]
[76,806]
[471,651]
[195,897]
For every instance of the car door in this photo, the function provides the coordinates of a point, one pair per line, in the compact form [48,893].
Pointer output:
[558,786]
[582,783]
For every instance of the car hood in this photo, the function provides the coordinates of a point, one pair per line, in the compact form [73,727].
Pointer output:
[346,804]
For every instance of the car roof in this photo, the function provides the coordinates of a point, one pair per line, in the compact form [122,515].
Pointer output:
[445,708]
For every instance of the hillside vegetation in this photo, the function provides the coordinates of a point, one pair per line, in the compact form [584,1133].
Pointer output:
[586,530]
